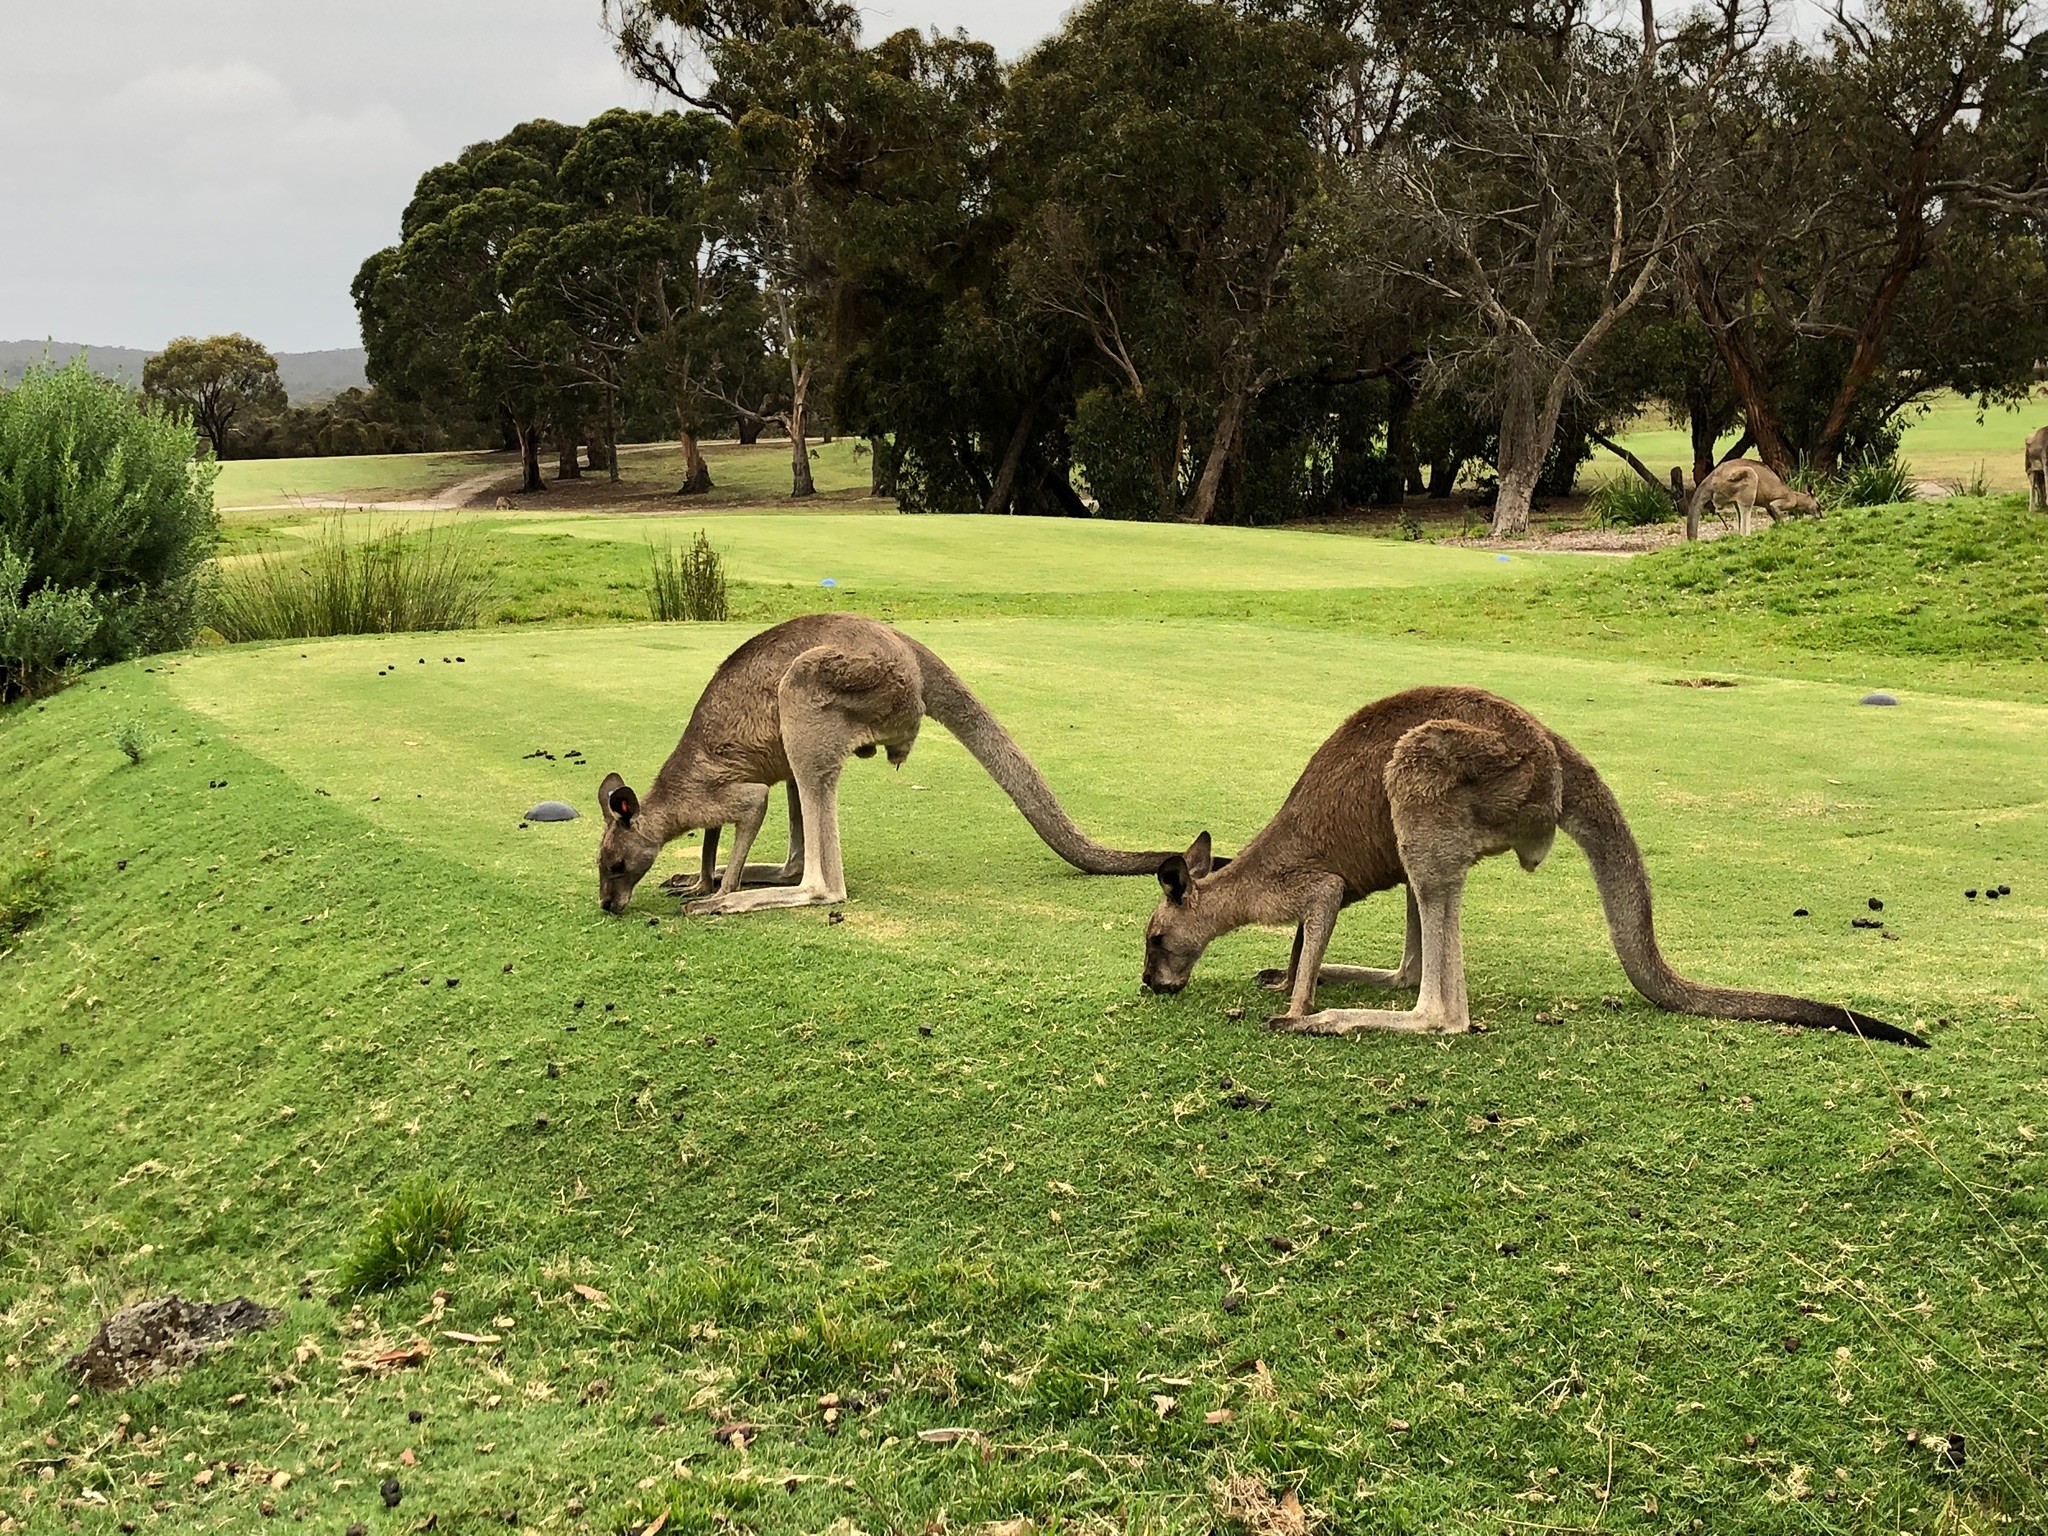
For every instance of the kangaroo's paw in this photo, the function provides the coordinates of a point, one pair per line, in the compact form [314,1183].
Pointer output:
[1358,1021]
[1273,979]
[683,885]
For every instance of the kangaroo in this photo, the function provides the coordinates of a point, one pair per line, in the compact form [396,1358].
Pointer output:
[2037,471]
[787,707]
[1414,790]
[1745,484]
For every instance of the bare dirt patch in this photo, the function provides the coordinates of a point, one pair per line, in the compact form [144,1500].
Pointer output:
[161,1335]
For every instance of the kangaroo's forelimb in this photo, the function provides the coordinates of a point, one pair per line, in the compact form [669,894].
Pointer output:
[1409,974]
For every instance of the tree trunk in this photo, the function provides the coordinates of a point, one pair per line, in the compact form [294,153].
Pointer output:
[1443,475]
[1394,488]
[1202,502]
[748,430]
[1745,368]
[881,466]
[529,457]
[1006,473]
[566,467]
[696,473]
[800,483]
[1699,418]
[1521,456]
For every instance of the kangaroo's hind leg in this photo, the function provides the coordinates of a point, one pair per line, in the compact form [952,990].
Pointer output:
[1409,974]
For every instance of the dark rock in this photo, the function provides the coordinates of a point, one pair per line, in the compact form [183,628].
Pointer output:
[1801,912]
[414,1416]
[2005,890]
[553,810]
[1969,895]
[1876,905]
[163,1334]
[1878,698]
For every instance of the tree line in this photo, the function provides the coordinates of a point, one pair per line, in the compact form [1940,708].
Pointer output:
[1244,260]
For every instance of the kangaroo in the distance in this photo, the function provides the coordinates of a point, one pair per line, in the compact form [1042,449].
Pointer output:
[2037,471]
[1746,485]
[787,707]
[1414,790]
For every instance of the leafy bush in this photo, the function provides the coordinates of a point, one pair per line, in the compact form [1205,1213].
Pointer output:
[689,584]
[1114,434]
[420,1222]
[1875,482]
[386,584]
[1630,501]
[133,738]
[106,523]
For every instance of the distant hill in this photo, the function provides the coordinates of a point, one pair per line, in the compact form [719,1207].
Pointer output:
[309,377]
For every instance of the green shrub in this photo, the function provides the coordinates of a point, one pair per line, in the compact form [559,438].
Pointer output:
[1874,482]
[106,523]
[389,583]
[1630,501]
[689,584]
[1114,435]
[133,738]
[419,1223]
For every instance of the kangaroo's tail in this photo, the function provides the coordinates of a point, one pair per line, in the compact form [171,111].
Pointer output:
[1593,819]
[950,702]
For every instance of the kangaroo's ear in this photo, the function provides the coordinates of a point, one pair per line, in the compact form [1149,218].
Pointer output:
[1199,861]
[620,803]
[1174,879]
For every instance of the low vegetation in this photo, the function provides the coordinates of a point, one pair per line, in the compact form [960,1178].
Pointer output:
[403,579]
[687,584]
[1629,501]
[422,1222]
[106,524]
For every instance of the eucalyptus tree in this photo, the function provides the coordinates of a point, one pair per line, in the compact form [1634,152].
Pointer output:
[438,309]
[1168,166]
[1868,213]
[215,381]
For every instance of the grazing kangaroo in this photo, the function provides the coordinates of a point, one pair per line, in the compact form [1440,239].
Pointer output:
[2037,471]
[787,707]
[1414,790]
[1744,485]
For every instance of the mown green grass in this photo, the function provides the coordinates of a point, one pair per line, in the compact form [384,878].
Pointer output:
[246,483]
[1945,443]
[754,476]
[946,1161]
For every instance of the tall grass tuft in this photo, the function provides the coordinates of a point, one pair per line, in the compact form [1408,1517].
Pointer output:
[687,584]
[424,1219]
[1875,482]
[387,583]
[1629,501]
[28,889]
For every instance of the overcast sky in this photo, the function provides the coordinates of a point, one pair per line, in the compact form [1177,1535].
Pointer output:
[223,165]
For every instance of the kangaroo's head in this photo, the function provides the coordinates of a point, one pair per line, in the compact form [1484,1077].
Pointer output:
[1186,920]
[628,848]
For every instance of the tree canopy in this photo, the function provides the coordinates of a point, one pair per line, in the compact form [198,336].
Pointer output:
[1246,260]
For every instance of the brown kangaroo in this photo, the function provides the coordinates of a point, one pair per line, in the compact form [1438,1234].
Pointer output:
[787,707]
[1414,790]
[1745,485]
[2037,470]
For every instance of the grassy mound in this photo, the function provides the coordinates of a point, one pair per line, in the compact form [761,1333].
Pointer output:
[756,1207]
